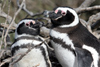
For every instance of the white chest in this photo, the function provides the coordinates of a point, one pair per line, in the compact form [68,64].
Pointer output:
[64,55]
[33,58]
[63,36]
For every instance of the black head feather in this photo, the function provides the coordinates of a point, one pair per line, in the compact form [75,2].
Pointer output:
[28,27]
[63,16]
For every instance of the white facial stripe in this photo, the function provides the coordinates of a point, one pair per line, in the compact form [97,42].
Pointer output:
[25,21]
[25,41]
[17,36]
[94,53]
[62,36]
[76,20]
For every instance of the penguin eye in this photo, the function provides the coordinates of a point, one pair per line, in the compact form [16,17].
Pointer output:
[30,23]
[63,13]
[27,24]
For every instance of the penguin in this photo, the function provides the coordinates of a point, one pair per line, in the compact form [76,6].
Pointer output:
[27,37]
[67,34]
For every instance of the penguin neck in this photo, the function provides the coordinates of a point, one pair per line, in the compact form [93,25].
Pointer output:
[63,46]
[67,30]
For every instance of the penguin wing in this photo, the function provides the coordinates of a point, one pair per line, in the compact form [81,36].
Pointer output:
[84,57]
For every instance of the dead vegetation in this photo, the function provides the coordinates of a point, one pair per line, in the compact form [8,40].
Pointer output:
[92,23]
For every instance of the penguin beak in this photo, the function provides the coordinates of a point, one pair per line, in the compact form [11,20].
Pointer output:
[53,15]
[34,24]
[30,22]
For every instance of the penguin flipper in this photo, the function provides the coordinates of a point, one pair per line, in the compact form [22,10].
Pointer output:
[84,57]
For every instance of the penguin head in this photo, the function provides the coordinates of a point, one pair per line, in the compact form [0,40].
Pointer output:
[64,17]
[27,27]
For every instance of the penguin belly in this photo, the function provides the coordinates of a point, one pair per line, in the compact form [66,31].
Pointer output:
[33,58]
[64,56]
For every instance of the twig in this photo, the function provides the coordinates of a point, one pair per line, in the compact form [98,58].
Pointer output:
[1,53]
[93,18]
[4,15]
[80,10]
[16,13]
[21,56]
[37,65]
[4,27]
[86,3]
[37,14]
[96,34]
[24,8]
[46,43]
[95,25]
[4,4]
[89,23]
[27,11]
[9,59]
[7,25]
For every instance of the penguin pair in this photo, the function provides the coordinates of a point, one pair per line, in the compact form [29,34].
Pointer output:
[27,40]
[73,44]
